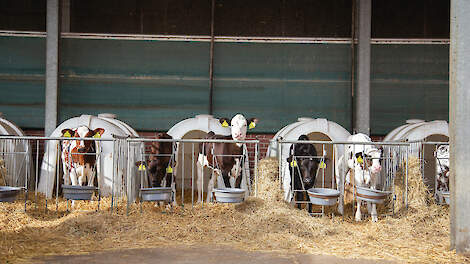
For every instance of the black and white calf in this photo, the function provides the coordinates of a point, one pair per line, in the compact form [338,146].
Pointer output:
[303,168]
[360,166]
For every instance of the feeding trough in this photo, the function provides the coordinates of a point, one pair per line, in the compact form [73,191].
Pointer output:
[323,196]
[229,195]
[156,194]
[8,193]
[444,195]
[76,192]
[371,195]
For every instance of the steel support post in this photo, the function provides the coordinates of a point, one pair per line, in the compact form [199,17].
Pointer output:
[459,130]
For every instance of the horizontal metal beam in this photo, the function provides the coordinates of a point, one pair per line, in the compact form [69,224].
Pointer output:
[235,39]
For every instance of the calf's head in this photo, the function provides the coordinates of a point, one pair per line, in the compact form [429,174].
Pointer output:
[239,125]
[305,160]
[160,163]
[84,146]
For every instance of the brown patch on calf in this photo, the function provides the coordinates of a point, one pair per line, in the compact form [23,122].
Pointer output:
[224,163]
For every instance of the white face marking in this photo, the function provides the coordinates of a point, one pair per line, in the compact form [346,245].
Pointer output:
[82,131]
[442,158]
[238,127]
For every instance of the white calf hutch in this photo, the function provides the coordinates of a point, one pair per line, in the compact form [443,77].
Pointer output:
[316,130]
[16,168]
[419,131]
[187,152]
[111,160]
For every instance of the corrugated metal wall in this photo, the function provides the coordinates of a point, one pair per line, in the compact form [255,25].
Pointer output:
[155,84]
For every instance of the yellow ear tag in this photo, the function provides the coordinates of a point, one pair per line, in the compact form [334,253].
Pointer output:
[97,135]
[141,167]
[252,125]
[293,163]
[322,165]
[67,134]
[360,160]
[169,169]
[225,124]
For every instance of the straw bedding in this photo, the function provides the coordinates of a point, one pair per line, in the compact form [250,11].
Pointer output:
[420,234]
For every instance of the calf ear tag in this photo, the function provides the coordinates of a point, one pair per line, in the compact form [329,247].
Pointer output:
[322,165]
[225,124]
[67,134]
[360,160]
[252,125]
[293,163]
[97,135]
[169,169]
[141,167]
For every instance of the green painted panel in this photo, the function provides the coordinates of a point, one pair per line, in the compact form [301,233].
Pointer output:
[22,67]
[126,58]
[148,84]
[280,82]
[22,55]
[155,84]
[408,81]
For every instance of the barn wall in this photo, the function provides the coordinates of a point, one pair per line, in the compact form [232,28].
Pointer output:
[22,68]
[167,81]
[408,81]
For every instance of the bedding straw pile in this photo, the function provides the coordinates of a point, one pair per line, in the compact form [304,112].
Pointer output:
[263,223]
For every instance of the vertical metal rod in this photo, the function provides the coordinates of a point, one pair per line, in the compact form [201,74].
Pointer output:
[323,178]
[279,144]
[28,170]
[128,176]
[142,173]
[115,170]
[211,64]
[406,179]
[202,179]
[182,175]
[57,178]
[37,172]
[50,168]
[256,169]
[292,175]
[192,175]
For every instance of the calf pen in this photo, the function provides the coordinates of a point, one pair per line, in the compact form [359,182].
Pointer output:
[395,161]
[185,152]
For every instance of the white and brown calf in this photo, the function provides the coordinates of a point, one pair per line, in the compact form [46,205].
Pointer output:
[224,158]
[79,156]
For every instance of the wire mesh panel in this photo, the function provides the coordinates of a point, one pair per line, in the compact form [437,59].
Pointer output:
[373,165]
[195,165]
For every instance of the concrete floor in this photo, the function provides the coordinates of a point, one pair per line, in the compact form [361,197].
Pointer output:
[198,255]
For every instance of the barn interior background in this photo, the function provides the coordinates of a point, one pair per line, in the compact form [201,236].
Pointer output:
[148,62]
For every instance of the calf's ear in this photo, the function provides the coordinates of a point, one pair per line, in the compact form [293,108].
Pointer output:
[97,133]
[67,133]
[252,122]
[289,159]
[225,122]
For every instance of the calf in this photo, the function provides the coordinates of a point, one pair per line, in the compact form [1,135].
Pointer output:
[161,163]
[79,156]
[442,168]
[362,166]
[223,158]
[303,167]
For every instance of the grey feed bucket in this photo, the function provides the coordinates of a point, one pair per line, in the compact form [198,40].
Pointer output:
[229,195]
[8,193]
[75,192]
